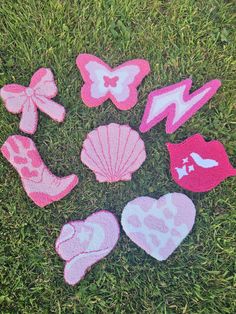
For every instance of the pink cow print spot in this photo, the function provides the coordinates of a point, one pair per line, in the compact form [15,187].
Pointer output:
[155,223]
[20,160]
[134,221]
[27,173]
[35,158]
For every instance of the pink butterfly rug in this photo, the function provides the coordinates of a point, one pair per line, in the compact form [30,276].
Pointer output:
[118,84]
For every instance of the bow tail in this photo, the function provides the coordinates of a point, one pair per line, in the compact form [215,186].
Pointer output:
[51,108]
[29,117]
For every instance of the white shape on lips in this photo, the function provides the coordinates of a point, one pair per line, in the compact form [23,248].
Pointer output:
[185,160]
[191,168]
[182,172]
[204,163]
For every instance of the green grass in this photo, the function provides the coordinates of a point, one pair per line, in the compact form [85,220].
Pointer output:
[180,39]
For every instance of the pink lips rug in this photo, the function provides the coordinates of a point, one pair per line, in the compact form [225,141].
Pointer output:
[198,165]
[81,244]
[118,84]
[159,226]
[27,100]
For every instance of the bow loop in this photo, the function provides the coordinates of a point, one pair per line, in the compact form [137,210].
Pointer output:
[26,100]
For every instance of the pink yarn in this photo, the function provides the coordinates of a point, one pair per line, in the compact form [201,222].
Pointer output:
[26,100]
[118,84]
[175,103]
[40,184]
[161,225]
[83,243]
[198,165]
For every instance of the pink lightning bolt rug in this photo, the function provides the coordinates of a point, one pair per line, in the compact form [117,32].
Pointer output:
[176,103]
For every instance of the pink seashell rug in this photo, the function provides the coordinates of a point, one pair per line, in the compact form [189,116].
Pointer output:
[113,152]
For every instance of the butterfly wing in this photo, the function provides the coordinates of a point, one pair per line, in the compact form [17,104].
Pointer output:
[130,74]
[93,70]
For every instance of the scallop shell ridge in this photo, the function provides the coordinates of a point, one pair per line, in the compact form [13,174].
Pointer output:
[113,152]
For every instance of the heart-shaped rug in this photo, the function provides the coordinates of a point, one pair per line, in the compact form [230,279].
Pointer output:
[159,226]
[83,243]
